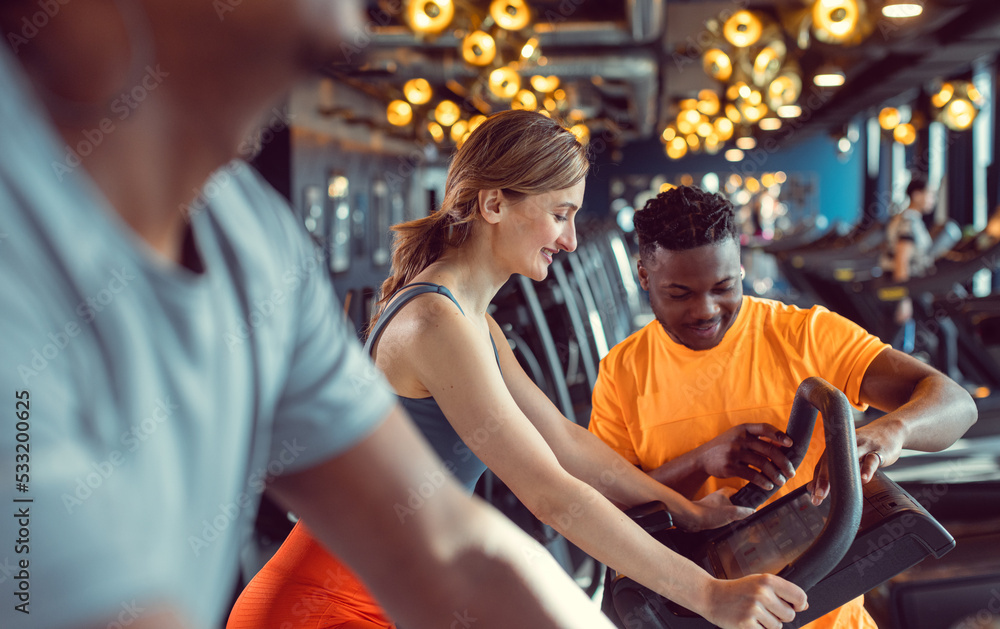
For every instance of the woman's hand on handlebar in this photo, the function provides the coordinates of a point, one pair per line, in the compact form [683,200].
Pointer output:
[738,451]
[715,510]
[760,600]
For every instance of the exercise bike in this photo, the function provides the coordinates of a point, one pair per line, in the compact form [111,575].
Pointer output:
[859,537]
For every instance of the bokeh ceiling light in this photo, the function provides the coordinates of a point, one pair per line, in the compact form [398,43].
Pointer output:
[747,143]
[961,103]
[713,144]
[479,48]
[436,131]
[399,113]
[734,155]
[512,15]
[446,113]
[770,124]
[505,82]
[724,128]
[789,111]
[545,84]
[829,76]
[669,133]
[838,21]
[694,142]
[475,121]
[717,64]
[429,17]
[458,129]
[529,49]
[889,118]
[417,91]
[901,9]
[905,134]
[582,133]
[708,102]
[688,120]
[767,64]
[943,95]
[677,148]
[784,90]
[733,114]
[743,28]
[525,99]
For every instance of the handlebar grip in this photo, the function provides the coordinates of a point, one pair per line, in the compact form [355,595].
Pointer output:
[841,526]
[801,422]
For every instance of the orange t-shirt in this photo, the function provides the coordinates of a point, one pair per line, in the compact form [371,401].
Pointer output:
[656,399]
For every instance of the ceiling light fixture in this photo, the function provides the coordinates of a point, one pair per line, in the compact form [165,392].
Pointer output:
[399,113]
[837,21]
[905,134]
[446,113]
[770,124]
[734,155]
[889,118]
[789,111]
[717,64]
[417,91]
[429,17]
[958,104]
[677,148]
[479,48]
[505,82]
[900,9]
[743,29]
[511,15]
[829,76]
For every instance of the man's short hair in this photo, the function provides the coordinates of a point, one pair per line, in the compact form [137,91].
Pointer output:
[918,183]
[684,218]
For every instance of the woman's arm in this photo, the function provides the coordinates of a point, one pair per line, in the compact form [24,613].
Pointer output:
[589,459]
[452,358]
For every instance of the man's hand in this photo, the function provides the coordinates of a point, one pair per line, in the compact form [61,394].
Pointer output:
[749,451]
[874,451]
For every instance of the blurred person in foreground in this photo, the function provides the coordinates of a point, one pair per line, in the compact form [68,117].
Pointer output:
[163,372]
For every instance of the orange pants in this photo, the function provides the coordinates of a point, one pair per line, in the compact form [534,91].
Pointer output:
[305,587]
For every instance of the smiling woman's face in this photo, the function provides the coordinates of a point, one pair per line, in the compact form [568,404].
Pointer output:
[539,227]
[696,293]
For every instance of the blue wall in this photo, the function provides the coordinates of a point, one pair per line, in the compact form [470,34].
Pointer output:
[839,180]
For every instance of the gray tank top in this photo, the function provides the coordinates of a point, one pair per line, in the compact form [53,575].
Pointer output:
[426,414]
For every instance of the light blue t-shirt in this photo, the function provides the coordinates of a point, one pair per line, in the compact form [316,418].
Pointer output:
[154,400]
